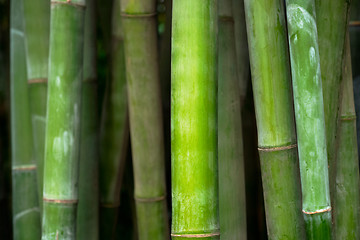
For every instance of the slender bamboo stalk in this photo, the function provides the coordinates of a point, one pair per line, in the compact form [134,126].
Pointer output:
[266,29]
[232,206]
[347,197]
[25,203]
[114,133]
[331,21]
[194,164]
[37,27]
[145,112]
[310,119]
[88,208]
[63,120]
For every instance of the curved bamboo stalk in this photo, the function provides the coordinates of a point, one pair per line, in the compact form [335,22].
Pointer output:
[145,117]
[232,206]
[63,120]
[88,208]
[194,164]
[266,29]
[114,132]
[37,27]
[25,203]
[310,119]
[347,197]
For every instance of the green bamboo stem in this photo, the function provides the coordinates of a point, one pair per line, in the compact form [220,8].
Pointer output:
[25,203]
[145,116]
[232,206]
[114,133]
[242,52]
[63,120]
[347,197]
[37,27]
[310,119]
[194,166]
[266,29]
[331,20]
[88,208]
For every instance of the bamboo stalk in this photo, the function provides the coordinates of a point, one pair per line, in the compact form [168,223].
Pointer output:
[25,203]
[347,197]
[266,29]
[232,206]
[37,27]
[194,166]
[114,132]
[145,116]
[88,208]
[63,119]
[310,119]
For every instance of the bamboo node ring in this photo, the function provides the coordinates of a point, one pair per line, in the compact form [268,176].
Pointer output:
[69,2]
[226,19]
[90,80]
[24,168]
[348,118]
[110,205]
[354,23]
[138,15]
[154,199]
[273,149]
[64,201]
[328,209]
[196,235]
[37,80]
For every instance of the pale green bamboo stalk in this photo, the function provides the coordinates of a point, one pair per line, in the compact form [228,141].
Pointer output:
[232,206]
[63,120]
[347,197]
[37,27]
[310,118]
[25,203]
[88,207]
[114,132]
[266,29]
[194,166]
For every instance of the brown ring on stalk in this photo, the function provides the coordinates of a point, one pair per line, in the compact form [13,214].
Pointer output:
[68,2]
[65,201]
[90,80]
[318,211]
[110,205]
[226,19]
[200,235]
[139,15]
[354,24]
[348,118]
[155,199]
[37,80]
[273,149]
[24,168]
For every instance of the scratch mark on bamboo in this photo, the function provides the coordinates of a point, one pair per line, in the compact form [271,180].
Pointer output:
[17,32]
[273,149]
[25,212]
[198,235]
[328,209]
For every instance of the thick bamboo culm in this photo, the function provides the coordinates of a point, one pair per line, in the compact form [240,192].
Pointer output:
[63,120]
[25,203]
[310,119]
[267,39]
[347,197]
[114,132]
[232,207]
[145,117]
[194,165]
[88,207]
[37,27]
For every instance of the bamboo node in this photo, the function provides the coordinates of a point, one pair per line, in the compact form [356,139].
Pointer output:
[69,2]
[110,205]
[348,118]
[37,80]
[138,15]
[64,201]
[24,168]
[196,235]
[226,19]
[273,149]
[154,199]
[354,24]
[328,209]
[90,80]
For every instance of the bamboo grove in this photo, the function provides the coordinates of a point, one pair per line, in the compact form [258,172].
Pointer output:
[179,119]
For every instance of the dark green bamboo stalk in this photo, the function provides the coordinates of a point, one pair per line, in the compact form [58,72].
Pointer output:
[347,198]
[145,115]
[331,20]
[25,203]
[310,119]
[232,208]
[88,208]
[37,26]
[63,120]
[266,29]
[114,133]
[194,166]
